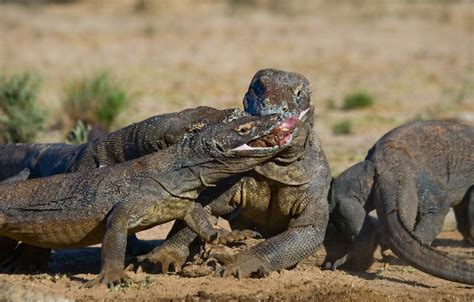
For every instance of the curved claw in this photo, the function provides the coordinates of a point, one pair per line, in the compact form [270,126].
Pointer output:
[336,263]
[109,281]
[326,265]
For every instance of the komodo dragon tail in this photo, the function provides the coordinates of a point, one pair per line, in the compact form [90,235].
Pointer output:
[404,243]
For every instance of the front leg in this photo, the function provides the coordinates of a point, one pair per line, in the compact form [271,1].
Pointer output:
[113,248]
[150,210]
[359,252]
[349,218]
[303,237]
[172,254]
[182,242]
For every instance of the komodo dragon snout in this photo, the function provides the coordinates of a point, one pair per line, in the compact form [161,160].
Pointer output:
[277,91]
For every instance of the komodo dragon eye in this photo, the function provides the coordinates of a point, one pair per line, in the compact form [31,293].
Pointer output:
[244,129]
[196,127]
[297,90]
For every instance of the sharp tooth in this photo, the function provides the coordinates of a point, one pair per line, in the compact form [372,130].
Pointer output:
[302,114]
[243,147]
[285,129]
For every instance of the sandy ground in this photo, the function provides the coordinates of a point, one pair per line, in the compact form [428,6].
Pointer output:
[414,57]
[70,269]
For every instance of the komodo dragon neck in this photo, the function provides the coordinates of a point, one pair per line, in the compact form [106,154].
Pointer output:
[294,167]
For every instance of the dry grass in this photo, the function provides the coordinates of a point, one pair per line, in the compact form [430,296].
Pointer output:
[415,58]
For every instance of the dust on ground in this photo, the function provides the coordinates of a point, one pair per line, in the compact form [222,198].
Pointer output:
[69,269]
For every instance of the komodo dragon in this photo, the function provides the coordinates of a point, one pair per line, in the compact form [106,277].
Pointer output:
[412,176]
[285,199]
[133,141]
[104,205]
[20,161]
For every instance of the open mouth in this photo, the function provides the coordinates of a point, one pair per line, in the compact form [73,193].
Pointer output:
[279,136]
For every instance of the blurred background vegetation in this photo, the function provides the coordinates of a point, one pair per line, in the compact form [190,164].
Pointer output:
[21,118]
[92,65]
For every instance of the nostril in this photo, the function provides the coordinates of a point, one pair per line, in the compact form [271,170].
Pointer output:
[219,147]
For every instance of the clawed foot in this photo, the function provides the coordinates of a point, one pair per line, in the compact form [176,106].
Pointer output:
[334,265]
[109,279]
[163,259]
[228,237]
[241,266]
[25,259]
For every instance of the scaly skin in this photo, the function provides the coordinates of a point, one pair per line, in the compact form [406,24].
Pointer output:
[142,138]
[412,176]
[285,199]
[104,205]
[21,161]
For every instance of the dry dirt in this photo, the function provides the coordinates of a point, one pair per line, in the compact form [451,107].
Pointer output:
[70,269]
[414,57]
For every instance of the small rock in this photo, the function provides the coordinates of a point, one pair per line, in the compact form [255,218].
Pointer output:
[195,270]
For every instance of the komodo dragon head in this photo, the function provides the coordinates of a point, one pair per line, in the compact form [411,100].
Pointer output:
[287,93]
[241,144]
[276,91]
[229,148]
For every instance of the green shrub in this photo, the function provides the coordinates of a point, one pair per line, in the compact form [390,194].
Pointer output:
[342,128]
[96,100]
[357,100]
[79,134]
[20,116]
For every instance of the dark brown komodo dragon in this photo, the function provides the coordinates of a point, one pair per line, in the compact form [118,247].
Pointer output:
[20,161]
[412,176]
[285,199]
[104,205]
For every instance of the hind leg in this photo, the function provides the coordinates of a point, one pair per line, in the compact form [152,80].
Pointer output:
[433,206]
[464,213]
[430,225]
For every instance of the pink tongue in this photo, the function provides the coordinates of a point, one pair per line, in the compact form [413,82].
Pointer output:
[289,123]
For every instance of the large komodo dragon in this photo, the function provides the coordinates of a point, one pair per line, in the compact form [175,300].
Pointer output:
[285,199]
[104,205]
[412,176]
[20,161]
